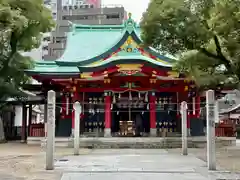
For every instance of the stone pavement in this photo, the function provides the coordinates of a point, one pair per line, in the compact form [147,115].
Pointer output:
[24,162]
[136,164]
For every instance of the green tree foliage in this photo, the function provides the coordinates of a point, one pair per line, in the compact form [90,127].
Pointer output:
[22,23]
[203,34]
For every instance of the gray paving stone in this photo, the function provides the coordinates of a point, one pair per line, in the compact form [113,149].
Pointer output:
[133,176]
[137,164]
[131,162]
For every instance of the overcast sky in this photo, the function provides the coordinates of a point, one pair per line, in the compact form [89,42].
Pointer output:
[136,7]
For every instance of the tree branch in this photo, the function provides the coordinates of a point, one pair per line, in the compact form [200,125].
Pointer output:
[6,63]
[220,54]
[209,54]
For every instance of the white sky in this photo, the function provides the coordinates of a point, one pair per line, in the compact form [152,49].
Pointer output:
[136,7]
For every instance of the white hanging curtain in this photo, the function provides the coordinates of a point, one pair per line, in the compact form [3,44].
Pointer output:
[67,105]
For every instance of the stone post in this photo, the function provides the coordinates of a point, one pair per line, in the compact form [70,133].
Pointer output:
[216,111]
[51,104]
[45,119]
[75,98]
[211,154]
[77,111]
[184,128]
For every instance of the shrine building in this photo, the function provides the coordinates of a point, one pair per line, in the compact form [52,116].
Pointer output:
[125,88]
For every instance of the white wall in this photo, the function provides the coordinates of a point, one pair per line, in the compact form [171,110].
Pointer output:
[18,116]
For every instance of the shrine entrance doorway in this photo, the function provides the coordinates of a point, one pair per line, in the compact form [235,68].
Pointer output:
[130,116]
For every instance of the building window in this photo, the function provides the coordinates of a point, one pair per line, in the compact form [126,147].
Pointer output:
[113,16]
[66,18]
[101,16]
[82,17]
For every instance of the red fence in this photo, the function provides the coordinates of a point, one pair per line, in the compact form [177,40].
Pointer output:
[227,128]
[37,130]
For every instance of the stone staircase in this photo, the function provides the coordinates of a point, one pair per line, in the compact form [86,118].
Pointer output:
[134,142]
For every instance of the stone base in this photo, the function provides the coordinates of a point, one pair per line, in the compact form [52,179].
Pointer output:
[188,132]
[133,143]
[107,132]
[72,133]
[153,132]
[23,141]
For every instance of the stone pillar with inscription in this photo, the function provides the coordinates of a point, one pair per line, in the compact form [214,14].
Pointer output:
[184,127]
[77,111]
[211,147]
[50,146]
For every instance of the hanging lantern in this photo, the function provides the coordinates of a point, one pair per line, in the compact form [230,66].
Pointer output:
[130,95]
[119,95]
[114,99]
[146,97]
[67,105]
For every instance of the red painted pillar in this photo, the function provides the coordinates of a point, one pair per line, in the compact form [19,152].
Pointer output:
[198,106]
[107,130]
[152,108]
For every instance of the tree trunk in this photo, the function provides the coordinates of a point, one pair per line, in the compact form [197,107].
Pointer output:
[2,135]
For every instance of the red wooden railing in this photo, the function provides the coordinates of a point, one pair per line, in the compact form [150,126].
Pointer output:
[226,128]
[37,130]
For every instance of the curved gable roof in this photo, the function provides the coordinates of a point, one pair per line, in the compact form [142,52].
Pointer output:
[88,44]
[85,43]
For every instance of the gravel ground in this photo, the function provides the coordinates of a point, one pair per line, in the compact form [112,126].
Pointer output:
[24,162]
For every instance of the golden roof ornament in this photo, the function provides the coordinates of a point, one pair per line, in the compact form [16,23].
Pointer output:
[129,15]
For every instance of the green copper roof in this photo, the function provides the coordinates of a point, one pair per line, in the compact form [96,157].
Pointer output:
[91,46]
[90,43]
[49,67]
[120,58]
[84,44]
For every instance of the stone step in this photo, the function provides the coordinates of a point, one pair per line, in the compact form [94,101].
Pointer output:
[93,134]
[134,143]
